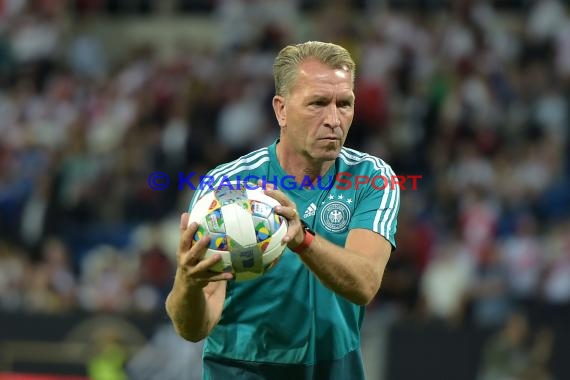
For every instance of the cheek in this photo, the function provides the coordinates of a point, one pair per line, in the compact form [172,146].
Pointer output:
[348,116]
[347,120]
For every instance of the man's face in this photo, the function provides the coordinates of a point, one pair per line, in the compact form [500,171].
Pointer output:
[317,113]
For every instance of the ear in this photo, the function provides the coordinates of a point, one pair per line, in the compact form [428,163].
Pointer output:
[279,109]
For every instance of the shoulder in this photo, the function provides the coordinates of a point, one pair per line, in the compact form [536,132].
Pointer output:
[354,161]
[245,163]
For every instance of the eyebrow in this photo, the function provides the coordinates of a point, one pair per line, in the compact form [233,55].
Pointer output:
[314,97]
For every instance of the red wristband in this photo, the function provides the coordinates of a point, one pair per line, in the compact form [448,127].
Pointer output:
[305,243]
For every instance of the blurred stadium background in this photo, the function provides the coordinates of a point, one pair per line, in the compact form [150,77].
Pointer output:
[96,95]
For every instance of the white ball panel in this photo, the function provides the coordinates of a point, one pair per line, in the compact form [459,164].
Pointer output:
[278,235]
[259,195]
[247,260]
[226,261]
[201,208]
[239,225]
[275,247]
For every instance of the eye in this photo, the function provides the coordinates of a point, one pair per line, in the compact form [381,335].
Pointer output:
[345,104]
[318,103]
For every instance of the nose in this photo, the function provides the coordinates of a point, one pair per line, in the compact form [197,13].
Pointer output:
[332,119]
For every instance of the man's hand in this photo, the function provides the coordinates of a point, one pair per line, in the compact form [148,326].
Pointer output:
[196,300]
[354,271]
[191,263]
[295,234]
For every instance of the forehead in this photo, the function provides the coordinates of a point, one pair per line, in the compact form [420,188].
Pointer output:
[315,76]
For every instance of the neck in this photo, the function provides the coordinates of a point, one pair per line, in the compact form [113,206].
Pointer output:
[301,166]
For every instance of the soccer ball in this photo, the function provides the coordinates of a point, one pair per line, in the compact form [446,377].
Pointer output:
[243,228]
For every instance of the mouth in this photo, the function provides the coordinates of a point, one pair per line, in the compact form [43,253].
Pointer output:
[329,138]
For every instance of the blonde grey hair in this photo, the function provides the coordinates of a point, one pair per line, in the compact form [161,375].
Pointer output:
[289,58]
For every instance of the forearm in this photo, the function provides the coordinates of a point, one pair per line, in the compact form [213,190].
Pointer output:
[348,274]
[187,307]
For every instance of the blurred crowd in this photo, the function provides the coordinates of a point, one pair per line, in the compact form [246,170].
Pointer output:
[473,98]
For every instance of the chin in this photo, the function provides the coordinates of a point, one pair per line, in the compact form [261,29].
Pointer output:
[326,152]
[329,155]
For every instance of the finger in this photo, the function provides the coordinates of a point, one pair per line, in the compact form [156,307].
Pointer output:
[184,220]
[214,277]
[196,253]
[205,264]
[280,197]
[187,234]
[221,277]
[265,185]
[290,213]
[291,233]
[293,222]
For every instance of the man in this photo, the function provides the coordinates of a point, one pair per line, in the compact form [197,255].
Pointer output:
[302,319]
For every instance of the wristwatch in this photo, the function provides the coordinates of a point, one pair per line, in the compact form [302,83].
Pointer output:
[308,239]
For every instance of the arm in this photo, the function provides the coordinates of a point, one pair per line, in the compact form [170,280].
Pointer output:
[195,311]
[197,297]
[355,271]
